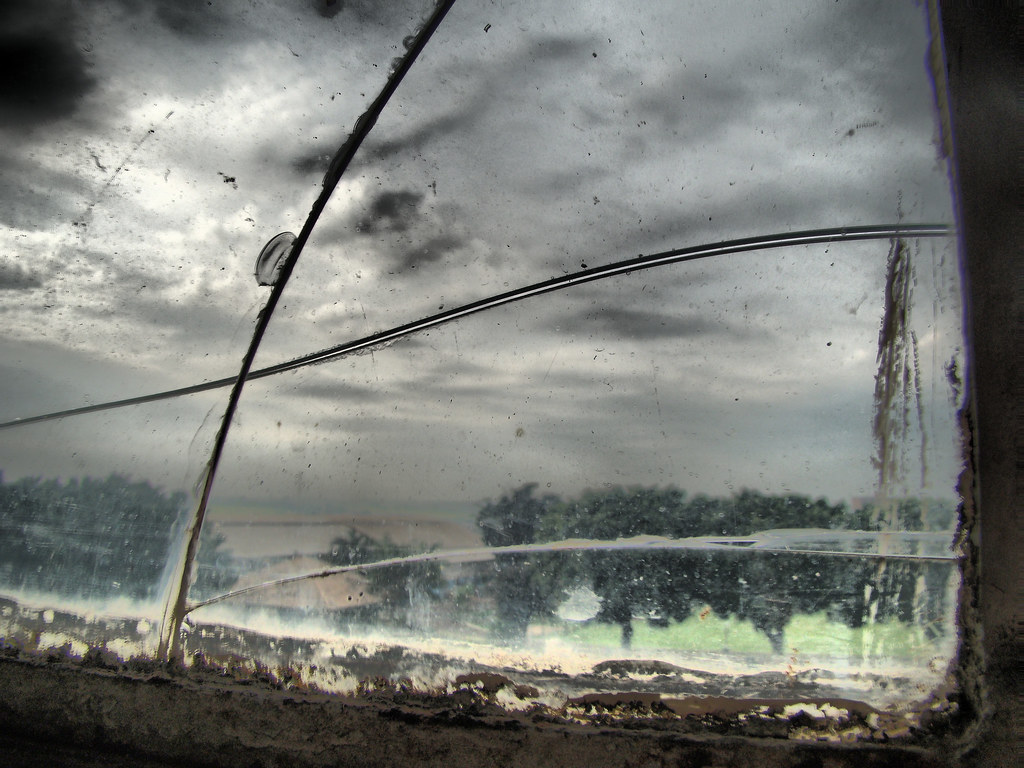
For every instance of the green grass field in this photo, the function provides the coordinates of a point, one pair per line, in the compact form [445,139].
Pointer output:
[806,634]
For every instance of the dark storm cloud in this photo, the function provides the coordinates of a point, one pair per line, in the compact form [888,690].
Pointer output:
[339,392]
[391,212]
[315,160]
[195,19]
[528,64]
[406,235]
[372,11]
[637,324]
[433,250]
[692,106]
[45,72]
[450,387]
[32,202]
[14,278]
[442,369]
[327,8]
[379,145]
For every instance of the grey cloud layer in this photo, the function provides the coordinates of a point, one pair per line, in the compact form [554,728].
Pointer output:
[508,157]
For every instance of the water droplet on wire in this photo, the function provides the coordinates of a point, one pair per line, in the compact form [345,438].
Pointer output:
[271,258]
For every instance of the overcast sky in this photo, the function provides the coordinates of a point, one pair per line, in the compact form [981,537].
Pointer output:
[153,147]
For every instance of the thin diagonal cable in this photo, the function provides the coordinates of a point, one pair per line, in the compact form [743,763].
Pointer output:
[690,253]
[174,612]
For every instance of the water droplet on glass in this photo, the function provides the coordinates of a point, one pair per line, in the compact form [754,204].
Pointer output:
[271,258]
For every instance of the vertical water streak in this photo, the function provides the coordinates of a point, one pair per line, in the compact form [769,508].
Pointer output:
[898,408]
[897,400]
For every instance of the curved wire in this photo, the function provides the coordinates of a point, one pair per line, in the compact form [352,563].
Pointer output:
[174,611]
[690,253]
[753,543]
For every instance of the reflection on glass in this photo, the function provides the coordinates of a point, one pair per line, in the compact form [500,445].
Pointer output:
[623,470]
[92,513]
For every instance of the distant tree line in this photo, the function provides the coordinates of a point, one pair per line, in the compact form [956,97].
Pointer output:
[87,537]
[765,588]
[95,537]
[108,537]
[397,587]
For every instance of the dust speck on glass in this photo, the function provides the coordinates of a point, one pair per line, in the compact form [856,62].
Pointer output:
[629,335]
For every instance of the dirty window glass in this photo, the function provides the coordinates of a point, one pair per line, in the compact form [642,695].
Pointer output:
[729,470]
[151,148]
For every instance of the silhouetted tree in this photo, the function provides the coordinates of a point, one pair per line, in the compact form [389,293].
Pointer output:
[523,585]
[396,585]
[629,583]
[87,536]
[764,587]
